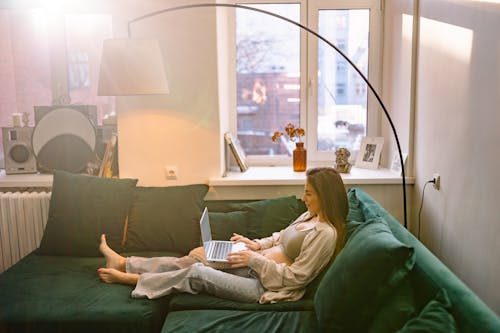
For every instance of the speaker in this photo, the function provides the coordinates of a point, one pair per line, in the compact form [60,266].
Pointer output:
[19,157]
[64,137]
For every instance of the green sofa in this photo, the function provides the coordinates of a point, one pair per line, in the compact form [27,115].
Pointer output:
[384,280]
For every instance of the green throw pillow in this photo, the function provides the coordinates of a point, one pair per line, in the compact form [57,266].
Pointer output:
[372,263]
[166,218]
[81,209]
[270,215]
[223,225]
[355,212]
[396,311]
[355,216]
[434,318]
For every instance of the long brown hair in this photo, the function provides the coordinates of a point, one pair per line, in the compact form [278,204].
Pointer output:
[330,189]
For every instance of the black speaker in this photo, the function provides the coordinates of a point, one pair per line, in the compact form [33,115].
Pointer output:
[19,157]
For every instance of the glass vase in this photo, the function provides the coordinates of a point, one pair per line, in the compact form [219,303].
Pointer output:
[299,157]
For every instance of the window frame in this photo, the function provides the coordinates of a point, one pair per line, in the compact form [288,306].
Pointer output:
[308,92]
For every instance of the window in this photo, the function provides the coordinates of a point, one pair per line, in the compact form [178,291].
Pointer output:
[48,58]
[267,76]
[284,74]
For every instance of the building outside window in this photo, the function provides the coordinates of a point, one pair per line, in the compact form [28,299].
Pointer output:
[286,75]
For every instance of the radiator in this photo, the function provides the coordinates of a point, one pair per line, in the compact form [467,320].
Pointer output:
[23,216]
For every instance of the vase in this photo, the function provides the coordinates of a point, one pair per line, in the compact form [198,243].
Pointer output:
[299,157]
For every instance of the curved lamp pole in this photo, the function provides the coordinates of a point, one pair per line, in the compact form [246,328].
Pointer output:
[171,9]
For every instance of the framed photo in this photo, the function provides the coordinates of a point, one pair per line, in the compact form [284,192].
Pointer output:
[369,153]
[236,150]
[396,163]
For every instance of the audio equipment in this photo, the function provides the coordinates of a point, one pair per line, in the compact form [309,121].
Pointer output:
[19,157]
[64,137]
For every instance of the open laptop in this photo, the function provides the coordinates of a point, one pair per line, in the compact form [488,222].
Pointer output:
[216,250]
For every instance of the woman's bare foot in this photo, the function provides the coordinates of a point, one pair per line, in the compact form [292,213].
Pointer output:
[111,275]
[113,259]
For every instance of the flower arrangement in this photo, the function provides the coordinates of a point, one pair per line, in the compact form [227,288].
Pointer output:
[293,133]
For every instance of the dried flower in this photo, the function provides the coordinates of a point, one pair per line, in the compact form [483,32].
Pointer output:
[293,133]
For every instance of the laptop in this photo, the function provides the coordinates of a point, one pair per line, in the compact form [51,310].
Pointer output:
[216,250]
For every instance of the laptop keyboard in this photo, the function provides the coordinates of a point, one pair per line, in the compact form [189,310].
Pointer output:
[219,250]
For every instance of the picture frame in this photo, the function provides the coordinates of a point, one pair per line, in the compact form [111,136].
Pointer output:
[396,163]
[369,152]
[237,151]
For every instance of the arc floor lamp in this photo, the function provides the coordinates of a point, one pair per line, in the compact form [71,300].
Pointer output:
[120,73]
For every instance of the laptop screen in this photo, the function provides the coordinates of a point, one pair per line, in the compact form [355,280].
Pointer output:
[206,233]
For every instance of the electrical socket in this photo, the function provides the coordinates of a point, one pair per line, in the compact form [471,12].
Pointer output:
[171,172]
[437,181]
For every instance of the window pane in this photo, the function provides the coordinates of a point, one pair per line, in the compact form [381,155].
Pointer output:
[24,64]
[84,36]
[342,93]
[268,77]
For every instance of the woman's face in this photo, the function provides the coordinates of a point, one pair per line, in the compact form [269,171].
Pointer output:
[311,199]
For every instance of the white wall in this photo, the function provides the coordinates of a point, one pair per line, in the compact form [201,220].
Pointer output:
[456,135]
[182,128]
[397,79]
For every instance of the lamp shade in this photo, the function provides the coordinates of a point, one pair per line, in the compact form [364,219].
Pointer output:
[131,67]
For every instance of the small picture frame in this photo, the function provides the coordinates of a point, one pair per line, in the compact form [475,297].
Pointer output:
[396,163]
[369,153]
[236,150]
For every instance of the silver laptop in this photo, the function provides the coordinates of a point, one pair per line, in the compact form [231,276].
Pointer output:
[216,250]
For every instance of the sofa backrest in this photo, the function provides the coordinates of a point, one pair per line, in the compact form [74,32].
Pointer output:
[430,275]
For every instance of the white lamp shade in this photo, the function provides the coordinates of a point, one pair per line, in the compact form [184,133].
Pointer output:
[131,67]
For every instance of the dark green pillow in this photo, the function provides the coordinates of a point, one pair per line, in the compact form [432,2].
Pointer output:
[372,263]
[270,215]
[81,209]
[223,225]
[355,212]
[434,318]
[355,216]
[166,218]
[396,311]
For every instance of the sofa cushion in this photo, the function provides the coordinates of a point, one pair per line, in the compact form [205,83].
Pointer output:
[362,276]
[355,212]
[83,207]
[270,215]
[396,311]
[224,224]
[166,218]
[434,318]
[64,294]
[240,321]
[185,301]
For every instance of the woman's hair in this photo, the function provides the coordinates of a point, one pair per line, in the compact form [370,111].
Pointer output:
[330,189]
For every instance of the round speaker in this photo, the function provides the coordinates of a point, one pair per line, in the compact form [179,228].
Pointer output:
[64,139]
[19,153]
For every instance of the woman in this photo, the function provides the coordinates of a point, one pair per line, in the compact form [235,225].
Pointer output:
[276,268]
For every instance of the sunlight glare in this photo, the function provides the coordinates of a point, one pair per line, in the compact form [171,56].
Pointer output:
[450,39]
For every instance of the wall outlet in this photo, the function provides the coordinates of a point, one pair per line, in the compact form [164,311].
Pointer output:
[171,172]
[437,181]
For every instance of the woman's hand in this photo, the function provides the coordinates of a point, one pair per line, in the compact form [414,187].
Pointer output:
[250,244]
[240,259]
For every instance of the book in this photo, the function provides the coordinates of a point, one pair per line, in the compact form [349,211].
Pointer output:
[236,150]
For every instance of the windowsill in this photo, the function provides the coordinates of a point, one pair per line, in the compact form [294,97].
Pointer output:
[25,180]
[254,176]
[280,175]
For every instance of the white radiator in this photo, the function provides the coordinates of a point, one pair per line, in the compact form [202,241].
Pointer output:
[23,216]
